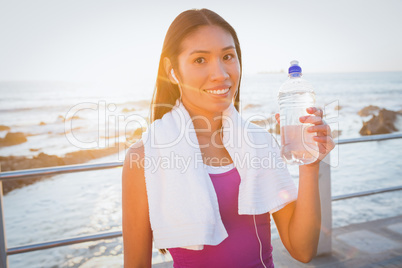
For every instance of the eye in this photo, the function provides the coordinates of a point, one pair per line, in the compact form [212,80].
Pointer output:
[199,60]
[228,57]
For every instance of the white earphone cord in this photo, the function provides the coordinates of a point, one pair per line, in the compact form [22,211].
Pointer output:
[259,241]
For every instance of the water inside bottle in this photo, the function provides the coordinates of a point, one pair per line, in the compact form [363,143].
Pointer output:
[298,146]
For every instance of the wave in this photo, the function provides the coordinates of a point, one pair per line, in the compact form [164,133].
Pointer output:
[138,105]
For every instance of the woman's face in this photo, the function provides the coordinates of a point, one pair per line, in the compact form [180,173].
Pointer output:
[209,70]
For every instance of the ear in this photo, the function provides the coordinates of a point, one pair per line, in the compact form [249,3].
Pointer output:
[168,70]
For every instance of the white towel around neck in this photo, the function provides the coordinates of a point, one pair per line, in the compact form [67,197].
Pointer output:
[183,205]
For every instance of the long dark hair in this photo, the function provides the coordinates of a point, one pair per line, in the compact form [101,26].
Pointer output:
[166,93]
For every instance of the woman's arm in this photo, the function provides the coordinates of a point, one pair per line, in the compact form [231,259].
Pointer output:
[137,233]
[299,222]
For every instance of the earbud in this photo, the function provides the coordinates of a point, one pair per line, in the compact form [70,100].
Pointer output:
[174,76]
[177,81]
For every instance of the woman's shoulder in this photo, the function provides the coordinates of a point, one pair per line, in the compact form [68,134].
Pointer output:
[136,147]
[134,156]
[133,176]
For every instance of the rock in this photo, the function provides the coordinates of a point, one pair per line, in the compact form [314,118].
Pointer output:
[277,129]
[60,119]
[135,135]
[73,118]
[127,110]
[42,123]
[13,139]
[381,124]
[4,128]
[368,110]
[264,122]
[138,132]
[45,160]
[251,105]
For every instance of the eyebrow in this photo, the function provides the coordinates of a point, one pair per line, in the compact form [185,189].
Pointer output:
[207,52]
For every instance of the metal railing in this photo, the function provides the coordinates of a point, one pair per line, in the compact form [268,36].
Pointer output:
[23,174]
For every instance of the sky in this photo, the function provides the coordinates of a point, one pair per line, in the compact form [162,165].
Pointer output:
[119,42]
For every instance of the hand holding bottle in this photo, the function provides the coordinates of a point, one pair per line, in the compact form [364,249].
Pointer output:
[323,131]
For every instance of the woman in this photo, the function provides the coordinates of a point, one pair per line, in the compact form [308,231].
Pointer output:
[199,75]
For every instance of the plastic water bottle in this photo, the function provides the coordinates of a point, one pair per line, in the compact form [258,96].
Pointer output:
[295,96]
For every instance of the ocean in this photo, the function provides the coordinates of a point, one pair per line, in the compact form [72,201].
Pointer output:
[58,118]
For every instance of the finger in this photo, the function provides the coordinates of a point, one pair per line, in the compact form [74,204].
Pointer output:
[325,148]
[316,120]
[322,149]
[326,141]
[315,111]
[311,110]
[324,129]
[278,118]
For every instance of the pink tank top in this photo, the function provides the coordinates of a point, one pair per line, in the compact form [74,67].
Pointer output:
[242,247]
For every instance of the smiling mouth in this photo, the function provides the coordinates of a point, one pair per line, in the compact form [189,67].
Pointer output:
[218,91]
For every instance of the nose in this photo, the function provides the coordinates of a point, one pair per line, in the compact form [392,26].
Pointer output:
[218,71]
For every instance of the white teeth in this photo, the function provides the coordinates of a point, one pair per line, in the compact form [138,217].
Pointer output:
[218,92]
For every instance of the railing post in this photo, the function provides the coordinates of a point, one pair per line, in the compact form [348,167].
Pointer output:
[3,241]
[324,245]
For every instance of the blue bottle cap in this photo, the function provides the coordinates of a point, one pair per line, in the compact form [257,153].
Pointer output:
[294,67]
